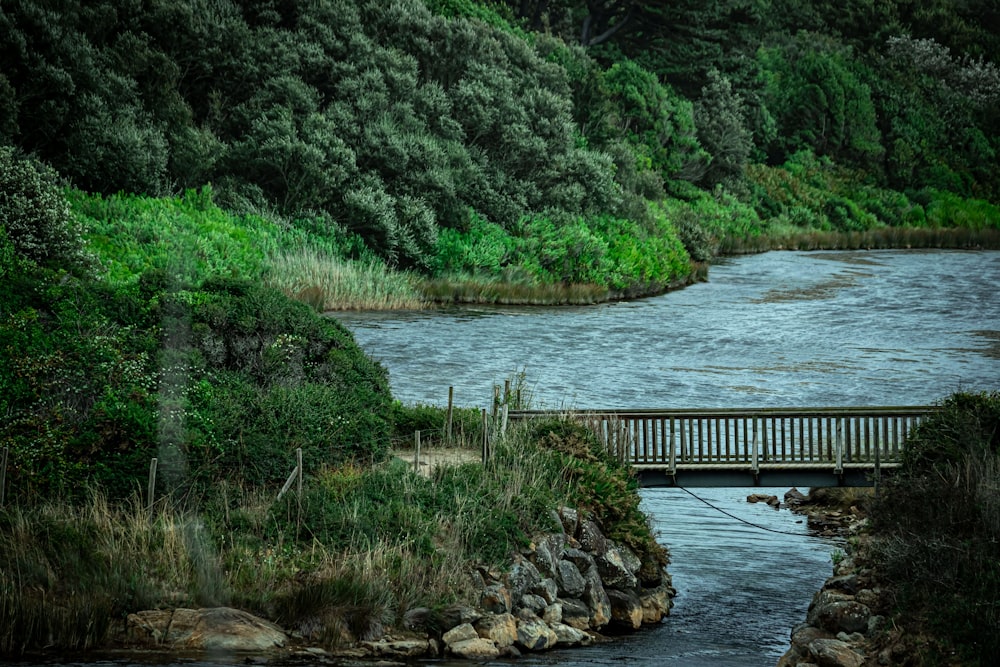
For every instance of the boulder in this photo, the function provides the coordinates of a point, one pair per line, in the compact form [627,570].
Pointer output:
[547,589]
[569,636]
[615,571]
[533,603]
[552,614]
[571,582]
[475,649]
[596,599]
[522,578]
[804,634]
[399,648]
[794,497]
[591,538]
[570,519]
[626,609]
[840,616]
[495,599]
[457,614]
[535,635]
[459,633]
[656,603]
[218,628]
[547,553]
[834,653]
[575,613]
[501,629]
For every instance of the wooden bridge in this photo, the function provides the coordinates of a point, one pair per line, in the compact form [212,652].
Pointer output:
[753,447]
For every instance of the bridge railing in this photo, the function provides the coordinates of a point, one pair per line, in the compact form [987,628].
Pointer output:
[834,437]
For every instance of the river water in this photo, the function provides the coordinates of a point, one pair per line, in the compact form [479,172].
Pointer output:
[776,329]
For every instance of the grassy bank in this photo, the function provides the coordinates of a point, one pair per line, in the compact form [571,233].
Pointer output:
[345,561]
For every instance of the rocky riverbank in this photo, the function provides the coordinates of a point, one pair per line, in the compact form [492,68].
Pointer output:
[842,619]
[568,588]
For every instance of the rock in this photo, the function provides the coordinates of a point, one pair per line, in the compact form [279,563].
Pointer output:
[569,636]
[495,599]
[552,614]
[804,634]
[571,582]
[400,648]
[834,653]
[615,572]
[547,589]
[581,559]
[459,633]
[596,599]
[847,583]
[626,609]
[535,635]
[656,603]
[523,576]
[475,649]
[794,497]
[840,616]
[651,574]
[547,554]
[219,628]
[501,629]
[764,498]
[570,519]
[416,618]
[575,613]
[591,538]
[533,603]
[458,614]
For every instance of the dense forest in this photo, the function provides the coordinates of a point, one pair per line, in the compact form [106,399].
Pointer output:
[561,141]
[172,171]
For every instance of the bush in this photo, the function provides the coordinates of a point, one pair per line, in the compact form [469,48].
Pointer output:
[937,529]
[35,218]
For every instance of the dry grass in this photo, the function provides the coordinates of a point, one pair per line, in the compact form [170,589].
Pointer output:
[330,283]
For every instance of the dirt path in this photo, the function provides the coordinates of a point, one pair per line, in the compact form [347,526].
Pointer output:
[433,457]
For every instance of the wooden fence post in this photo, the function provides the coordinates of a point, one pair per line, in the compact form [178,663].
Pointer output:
[486,437]
[416,456]
[298,466]
[151,486]
[3,473]
[451,398]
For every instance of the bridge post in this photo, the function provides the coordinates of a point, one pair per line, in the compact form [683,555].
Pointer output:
[839,447]
[754,462]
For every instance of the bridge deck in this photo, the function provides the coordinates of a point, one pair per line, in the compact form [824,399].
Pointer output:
[753,446]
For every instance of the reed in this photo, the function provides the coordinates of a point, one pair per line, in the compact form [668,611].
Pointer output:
[883,238]
[328,283]
[472,290]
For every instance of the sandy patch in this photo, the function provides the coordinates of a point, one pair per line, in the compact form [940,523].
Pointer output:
[435,456]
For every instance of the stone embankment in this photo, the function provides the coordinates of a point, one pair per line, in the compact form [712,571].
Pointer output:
[568,589]
[841,620]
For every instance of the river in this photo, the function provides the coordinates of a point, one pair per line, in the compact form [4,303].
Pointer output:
[776,329]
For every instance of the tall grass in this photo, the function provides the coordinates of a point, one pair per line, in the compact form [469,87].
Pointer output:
[328,282]
[882,238]
[936,538]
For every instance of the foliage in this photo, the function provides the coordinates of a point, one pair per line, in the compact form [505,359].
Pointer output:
[35,220]
[723,131]
[819,98]
[657,122]
[941,557]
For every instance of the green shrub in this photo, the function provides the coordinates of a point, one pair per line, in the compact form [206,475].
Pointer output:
[35,218]
[937,529]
